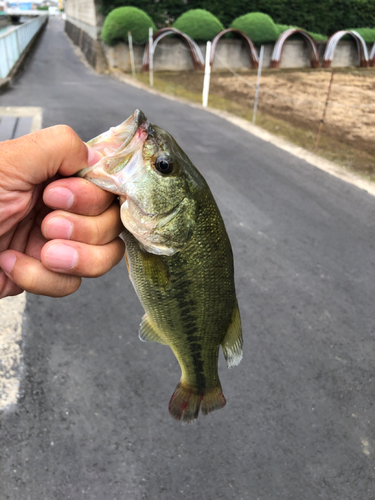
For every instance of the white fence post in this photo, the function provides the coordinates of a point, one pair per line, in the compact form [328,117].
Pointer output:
[258,83]
[130,40]
[207,75]
[151,56]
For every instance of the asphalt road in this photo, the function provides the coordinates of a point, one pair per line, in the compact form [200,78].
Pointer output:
[92,420]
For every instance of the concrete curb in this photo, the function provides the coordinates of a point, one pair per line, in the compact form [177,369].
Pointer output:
[327,166]
[5,84]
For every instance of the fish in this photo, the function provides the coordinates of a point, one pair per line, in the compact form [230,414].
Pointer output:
[178,254]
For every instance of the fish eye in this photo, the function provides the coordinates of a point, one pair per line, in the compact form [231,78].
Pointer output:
[163,165]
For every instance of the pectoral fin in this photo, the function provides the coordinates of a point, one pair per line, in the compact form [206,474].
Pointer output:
[232,343]
[147,332]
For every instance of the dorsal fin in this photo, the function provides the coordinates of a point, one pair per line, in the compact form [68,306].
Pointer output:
[232,343]
[147,332]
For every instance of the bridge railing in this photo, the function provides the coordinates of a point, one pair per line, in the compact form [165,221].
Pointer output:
[14,42]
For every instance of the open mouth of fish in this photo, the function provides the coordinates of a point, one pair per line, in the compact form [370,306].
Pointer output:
[121,148]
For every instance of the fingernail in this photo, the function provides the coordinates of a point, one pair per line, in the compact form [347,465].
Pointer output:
[93,156]
[7,261]
[62,257]
[58,197]
[58,228]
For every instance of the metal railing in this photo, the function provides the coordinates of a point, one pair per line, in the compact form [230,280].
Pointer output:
[14,42]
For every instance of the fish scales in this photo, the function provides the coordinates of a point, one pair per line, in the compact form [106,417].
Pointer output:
[179,259]
[195,299]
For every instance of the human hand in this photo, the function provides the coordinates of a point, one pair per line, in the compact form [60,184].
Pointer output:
[46,251]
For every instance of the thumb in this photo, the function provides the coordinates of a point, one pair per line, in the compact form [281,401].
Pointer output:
[39,156]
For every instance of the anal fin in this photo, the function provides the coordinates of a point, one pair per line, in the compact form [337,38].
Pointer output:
[147,332]
[232,343]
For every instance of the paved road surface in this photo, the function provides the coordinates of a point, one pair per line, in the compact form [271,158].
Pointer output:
[92,420]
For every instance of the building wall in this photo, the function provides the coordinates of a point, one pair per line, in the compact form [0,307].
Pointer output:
[83,25]
[82,11]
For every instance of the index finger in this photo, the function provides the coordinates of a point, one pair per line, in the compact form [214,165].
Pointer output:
[77,195]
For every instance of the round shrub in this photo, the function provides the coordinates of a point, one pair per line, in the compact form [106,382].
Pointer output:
[258,26]
[199,24]
[123,19]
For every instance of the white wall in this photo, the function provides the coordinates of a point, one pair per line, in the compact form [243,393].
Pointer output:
[83,13]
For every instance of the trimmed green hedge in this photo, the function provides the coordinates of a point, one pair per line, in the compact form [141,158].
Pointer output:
[199,24]
[123,19]
[280,28]
[367,34]
[324,17]
[259,27]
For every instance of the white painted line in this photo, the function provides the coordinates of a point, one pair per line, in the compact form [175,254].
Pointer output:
[33,111]
[11,314]
[12,308]
[327,166]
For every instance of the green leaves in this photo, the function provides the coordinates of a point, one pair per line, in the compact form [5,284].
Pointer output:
[258,26]
[199,24]
[123,19]
[317,16]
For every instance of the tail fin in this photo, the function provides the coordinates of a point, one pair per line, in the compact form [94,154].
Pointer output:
[186,402]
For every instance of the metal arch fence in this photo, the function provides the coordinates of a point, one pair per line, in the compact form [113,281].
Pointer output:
[372,56]
[254,59]
[14,42]
[334,40]
[193,47]
[365,58]
[279,45]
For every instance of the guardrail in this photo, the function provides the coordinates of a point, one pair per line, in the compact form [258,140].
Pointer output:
[14,42]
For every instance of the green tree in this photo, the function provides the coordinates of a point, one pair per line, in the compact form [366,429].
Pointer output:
[319,16]
[123,19]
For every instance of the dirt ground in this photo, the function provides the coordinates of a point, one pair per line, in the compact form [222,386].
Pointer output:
[291,104]
[351,107]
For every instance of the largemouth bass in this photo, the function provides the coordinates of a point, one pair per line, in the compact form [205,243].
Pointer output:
[178,254]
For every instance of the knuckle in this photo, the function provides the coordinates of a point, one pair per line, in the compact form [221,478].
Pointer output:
[65,131]
[69,137]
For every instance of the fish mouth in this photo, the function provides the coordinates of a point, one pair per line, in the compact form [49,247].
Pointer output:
[138,124]
[116,144]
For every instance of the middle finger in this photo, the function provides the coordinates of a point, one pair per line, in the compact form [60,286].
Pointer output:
[94,230]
